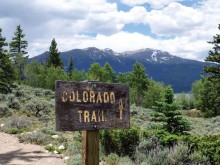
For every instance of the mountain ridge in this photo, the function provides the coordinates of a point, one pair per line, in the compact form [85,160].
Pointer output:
[160,65]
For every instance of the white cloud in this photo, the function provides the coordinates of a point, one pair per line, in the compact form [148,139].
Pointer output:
[175,19]
[155,4]
[121,41]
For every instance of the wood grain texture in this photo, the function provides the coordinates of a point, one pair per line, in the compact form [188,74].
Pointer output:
[90,147]
[85,106]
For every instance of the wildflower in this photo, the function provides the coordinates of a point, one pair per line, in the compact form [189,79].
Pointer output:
[66,157]
[2,125]
[55,136]
[61,147]
[55,151]
[50,145]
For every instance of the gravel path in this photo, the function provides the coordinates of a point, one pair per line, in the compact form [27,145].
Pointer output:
[14,153]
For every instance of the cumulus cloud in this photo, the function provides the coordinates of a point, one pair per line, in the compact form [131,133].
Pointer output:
[174,19]
[153,3]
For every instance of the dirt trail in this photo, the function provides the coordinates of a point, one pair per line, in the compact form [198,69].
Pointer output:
[14,153]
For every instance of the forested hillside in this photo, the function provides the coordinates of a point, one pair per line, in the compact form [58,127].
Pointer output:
[160,66]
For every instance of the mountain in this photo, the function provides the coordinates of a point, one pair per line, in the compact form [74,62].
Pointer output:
[155,56]
[160,65]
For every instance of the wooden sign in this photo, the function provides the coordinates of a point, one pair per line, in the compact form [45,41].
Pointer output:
[91,106]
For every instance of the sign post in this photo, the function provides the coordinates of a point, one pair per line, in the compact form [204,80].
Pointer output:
[91,106]
[90,147]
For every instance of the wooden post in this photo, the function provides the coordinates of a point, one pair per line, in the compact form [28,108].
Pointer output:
[90,147]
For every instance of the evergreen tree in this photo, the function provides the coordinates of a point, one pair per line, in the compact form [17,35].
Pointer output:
[109,73]
[18,45]
[54,56]
[214,56]
[122,77]
[96,72]
[167,112]
[153,94]
[70,67]
[78,75]
[205,95]
[138,80]
[18,52]
[213,77]
[6,71]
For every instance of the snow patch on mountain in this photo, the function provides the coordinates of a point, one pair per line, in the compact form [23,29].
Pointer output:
[154,56]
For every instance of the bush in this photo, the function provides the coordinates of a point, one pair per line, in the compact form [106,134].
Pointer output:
[112,159]
[13,130]
[38,92]
[35,137]
[2,97]
[10,97]
[122,142]
[19,122]
[5,111]
[198,158]
[16,124]
[14,104]
[179,154]
[49,130]
[74,148]
[49,93]
[76,160]
[38,107]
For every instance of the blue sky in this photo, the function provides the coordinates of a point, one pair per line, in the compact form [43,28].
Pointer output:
[180,27]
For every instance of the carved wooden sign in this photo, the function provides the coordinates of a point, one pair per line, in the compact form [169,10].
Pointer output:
[91,106]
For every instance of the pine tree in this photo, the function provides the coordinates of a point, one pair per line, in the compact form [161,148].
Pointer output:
[214,56]
[213,72]
[167,112]
[6,71]
[54,56]
[109,73]
[18,52]
[139,81]
[70,67]
[18,45]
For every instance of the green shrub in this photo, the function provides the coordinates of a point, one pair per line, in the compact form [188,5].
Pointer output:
[51,148]
[198,158]
[35,138]
[19,93]
[75,160]
[14,104]
[5,111]
[13,130]
[38,91]
[38,107]
[2,97]
[49,130]
[112,159]
[49,93]
[10,97]
[74,148]
[179,154]
[19,121]
[122,142]
[157,157]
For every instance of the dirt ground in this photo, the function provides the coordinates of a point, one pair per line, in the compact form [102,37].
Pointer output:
[14,153]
